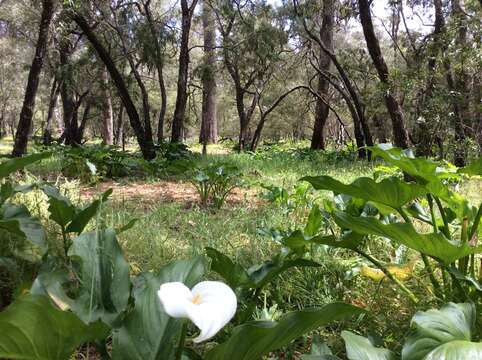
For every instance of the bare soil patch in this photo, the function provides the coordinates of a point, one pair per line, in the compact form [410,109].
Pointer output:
[163,191]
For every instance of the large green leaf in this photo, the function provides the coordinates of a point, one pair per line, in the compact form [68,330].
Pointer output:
[420,168]
[234,274]
[391,191]
[32,329]
[147,332]
[81,218]
[12,165]
[252,340]
[434,328]
[49,283]
[297,241]
[348,240]
[17,220]
[436,245]
[360,348]
[315,220]
[105,284]
[428,173]
[262,274]
[456,350]
[456,202]
[60,208]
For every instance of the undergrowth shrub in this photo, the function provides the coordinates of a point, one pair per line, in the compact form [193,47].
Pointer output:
[214,182]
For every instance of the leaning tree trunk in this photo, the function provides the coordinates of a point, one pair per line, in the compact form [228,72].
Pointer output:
[108,117]
[322,110]
[400,134]
[209,131]
[145,142]
[26,115]
[119,132]
[181,98]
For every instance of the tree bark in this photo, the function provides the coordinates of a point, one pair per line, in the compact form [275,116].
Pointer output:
[362,131]
[322,110]
[119,133]
[108,117]
[181,98]
[160,72]
[67,92]
[400,134]
[54,94]
[424,137]
[26,114]
[85,117]
[209,126]
[477,100]
[145,142]
[459,85]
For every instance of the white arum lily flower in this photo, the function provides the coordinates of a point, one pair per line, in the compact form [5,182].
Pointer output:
[210,305]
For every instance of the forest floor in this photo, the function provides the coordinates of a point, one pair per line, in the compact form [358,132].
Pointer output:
[172,224]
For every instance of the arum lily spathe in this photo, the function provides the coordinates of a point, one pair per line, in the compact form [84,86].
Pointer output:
[210,305]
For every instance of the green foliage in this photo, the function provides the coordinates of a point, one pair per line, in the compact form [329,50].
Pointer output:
[392,209]
[10,166]
[104,293]
[90,163]
[33,329]
[214,182]
[148,333]
[252,340]
[443,334]
[360,348]
[435,330]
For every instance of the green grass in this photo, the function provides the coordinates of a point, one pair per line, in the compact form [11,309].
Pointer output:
[169,230]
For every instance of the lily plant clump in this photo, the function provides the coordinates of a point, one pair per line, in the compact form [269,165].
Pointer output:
[83,293]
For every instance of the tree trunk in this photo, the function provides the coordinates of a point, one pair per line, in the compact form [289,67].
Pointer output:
[119,133]
[209,131]
[108,117]
[477,100]
[54,94]
[162,111]
[362,131]
[160,73]
[394,109]
[181,98]
[79,136]
[145,142]
[423,135]
[67,93]
[26,115]
[459,84]
[322,110]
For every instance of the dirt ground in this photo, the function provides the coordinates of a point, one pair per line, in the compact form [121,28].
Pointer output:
[163,191]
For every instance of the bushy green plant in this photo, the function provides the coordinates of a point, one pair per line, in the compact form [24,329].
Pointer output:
[436,334]
[401,210]
[173,151]
[91,163]
[22,238]
[214,182]
[104,301]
